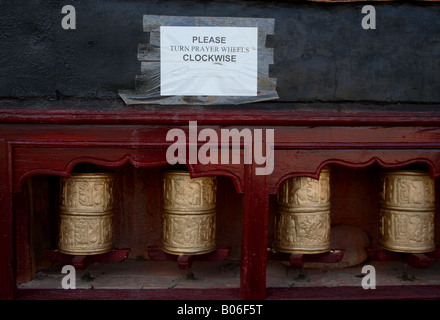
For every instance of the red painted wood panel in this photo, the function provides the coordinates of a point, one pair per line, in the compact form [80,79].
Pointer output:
[7,234]
[127,294]
[254,241]
[429,292]
[51,143]
[286,137]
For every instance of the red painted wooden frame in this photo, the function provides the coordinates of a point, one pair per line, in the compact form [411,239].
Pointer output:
[52,141]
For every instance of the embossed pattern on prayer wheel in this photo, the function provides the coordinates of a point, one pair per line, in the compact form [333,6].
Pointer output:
[86,214]
[189,213]
[407,206]
[302,222]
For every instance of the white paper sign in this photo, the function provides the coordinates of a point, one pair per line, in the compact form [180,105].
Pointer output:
[208,61]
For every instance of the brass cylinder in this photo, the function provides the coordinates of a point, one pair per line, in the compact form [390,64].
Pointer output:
[189,213]
[86,214]
[407,205]
[302,223]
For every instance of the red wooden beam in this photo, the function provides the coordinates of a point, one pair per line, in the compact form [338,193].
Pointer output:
[355,293]
[115,112]
[7,232]
[130,294]
[254,235]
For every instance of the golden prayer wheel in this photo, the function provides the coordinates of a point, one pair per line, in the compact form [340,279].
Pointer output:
[189,207]
[86,214]
[302,224]
[407,205]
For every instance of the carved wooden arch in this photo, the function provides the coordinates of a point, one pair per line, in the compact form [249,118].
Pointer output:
[432,166]
[195,170]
